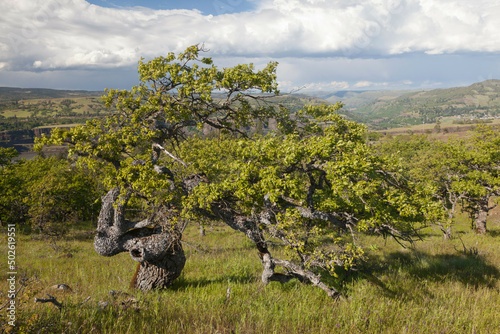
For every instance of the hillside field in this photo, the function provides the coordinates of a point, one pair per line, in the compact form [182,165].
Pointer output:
[477,101]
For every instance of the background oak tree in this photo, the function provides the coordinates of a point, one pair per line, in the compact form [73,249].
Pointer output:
[460,174]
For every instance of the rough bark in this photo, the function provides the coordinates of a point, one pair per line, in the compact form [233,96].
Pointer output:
[161,273]
[447,232]
[480,218]
[479,210]
[156,246]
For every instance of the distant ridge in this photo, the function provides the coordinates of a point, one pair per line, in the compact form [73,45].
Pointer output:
[13,93]
[380,109]
[353,99]
[479,100]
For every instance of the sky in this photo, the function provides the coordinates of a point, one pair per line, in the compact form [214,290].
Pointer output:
[326,45]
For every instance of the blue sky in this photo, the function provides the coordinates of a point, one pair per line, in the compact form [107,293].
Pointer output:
[319,44]
[206,7]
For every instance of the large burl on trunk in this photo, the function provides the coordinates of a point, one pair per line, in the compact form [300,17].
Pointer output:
[154,243]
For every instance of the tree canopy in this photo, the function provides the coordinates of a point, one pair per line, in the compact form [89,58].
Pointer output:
[310,186]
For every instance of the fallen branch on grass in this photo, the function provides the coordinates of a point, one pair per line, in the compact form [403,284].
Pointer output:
[86,300]
[51,299]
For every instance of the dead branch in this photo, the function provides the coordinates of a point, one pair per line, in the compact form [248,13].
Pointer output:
[86,300]
[51,299]
[158,146]
[310,276]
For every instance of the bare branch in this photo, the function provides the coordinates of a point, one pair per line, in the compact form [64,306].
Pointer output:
[156,145]
[195,248]
[338,219]
[51,299]
[86,300]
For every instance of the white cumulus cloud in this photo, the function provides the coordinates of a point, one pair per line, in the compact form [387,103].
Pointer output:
[366,84]
[333,85]
[314,40]
[73,33]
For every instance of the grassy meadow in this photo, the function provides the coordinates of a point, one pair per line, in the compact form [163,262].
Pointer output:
[437,286]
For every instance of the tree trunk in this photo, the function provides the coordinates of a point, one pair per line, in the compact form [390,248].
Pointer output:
[447,232]
[155,244]
[480,218]
[161,273]
[481,214]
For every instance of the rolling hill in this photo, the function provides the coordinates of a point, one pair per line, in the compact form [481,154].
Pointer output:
[356,99]
[477,101]
[25,109]
[9,94]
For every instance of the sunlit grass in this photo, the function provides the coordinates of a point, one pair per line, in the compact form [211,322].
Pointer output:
[436,287]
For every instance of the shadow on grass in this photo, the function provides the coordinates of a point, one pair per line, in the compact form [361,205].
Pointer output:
[182,283]
[411,268]
[396,273]
[495,233]
[467,269]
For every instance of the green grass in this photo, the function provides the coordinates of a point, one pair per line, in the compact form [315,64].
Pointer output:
[433,288]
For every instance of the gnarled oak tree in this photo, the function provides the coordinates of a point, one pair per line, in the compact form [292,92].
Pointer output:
[311,185]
